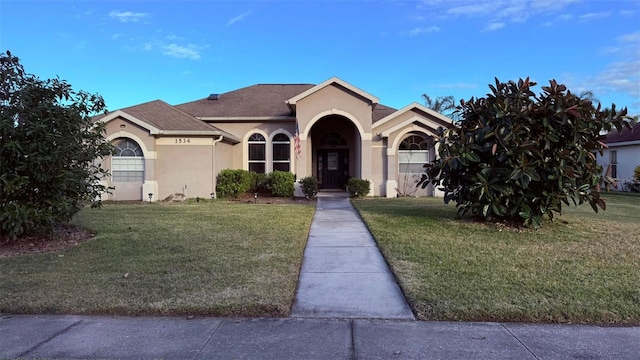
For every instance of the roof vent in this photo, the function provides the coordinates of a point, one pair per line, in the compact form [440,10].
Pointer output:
[214,97]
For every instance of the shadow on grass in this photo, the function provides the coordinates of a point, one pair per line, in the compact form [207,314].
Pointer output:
[431,208]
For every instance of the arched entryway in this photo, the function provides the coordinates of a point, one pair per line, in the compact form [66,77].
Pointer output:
[336,151]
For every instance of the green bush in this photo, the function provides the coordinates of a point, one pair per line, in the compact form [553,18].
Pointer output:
[233,182]
[281,183]
[517,156]
[633,185]
[358,187]
[309,186]
[49,145]
[260,183]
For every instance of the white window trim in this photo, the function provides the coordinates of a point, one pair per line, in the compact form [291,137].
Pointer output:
[272,142]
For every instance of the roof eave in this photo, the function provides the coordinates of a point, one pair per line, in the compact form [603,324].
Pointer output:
[413,105]
[334,80]
[245,118]
[119,113]
[623,143]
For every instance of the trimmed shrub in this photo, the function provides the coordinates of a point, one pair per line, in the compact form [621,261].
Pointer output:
[233,182]
[309,186]
[260,182]
[281,183]
[359,187]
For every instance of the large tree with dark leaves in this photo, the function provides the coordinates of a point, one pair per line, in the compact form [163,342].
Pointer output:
[48,150]
[517,156]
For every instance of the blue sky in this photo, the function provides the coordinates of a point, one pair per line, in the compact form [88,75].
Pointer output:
[136,51]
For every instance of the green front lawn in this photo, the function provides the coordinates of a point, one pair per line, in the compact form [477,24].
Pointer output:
[583,267]
[209,258]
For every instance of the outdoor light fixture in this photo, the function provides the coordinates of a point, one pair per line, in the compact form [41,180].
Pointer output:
[150,197]
[255,198]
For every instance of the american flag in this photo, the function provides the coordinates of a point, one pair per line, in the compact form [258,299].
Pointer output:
[296,142]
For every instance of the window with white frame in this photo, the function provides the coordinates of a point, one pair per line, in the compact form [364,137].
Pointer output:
[413,154]
[613,161]
[127,162]
[281,146]
[257,153]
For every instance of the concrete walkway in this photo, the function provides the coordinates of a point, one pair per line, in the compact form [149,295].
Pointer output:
[100,337]
[343,274]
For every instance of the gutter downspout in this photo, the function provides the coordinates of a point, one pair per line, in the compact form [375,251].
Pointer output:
[213,166]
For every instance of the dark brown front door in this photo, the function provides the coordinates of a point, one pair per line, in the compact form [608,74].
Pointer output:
[333,169]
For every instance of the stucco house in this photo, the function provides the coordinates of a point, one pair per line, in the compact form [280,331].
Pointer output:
[623,154]
[332,131]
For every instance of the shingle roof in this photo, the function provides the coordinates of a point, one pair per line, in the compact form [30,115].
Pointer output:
[381,111]
[166,117]
[262,100]
[624,136]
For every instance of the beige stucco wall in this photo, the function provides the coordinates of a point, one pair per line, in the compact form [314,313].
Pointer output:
[116,130]
[239,156]
[122,128]
[336,100]
[397,129]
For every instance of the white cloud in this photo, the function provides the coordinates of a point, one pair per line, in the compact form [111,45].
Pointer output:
[622,75]
[423,30]
[116,36]
[238,18]
[632,38]
[174,37]
[498,12]
[494,26]
[478,9]
[147,47]
[181,52]
[127,16]
[595,16]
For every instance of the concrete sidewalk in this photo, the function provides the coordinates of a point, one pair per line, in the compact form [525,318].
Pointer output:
[99,337]
[343,273]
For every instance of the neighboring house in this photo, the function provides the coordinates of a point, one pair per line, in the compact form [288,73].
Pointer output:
[343,132]
[623,154]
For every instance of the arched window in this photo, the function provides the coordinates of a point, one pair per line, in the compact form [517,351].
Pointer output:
[257,153]
[281,152]
[413,154]
[332,139]
[127,162]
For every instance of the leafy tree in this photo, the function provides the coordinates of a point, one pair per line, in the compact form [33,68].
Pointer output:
[445,105]
[48,151]
[516,156]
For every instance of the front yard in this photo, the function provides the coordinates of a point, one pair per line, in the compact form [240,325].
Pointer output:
[583,267]
[243,259]
[221,259]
